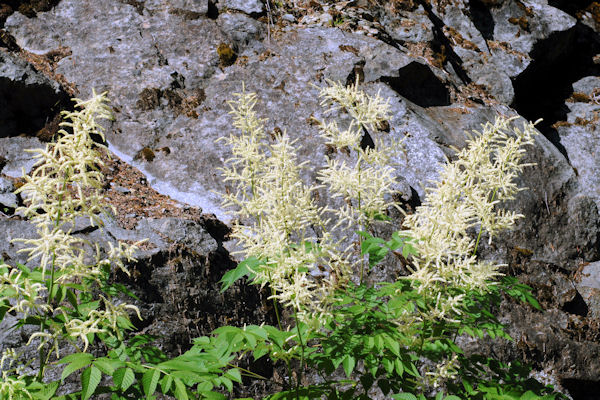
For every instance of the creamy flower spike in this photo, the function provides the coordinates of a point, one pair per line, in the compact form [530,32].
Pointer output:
[279,214]
[65,186]
[277,208]
[466,195]
[365,178]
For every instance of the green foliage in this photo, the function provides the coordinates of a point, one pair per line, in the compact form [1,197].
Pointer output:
[377,248]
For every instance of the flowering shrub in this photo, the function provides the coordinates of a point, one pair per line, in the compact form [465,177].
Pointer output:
[337,336]
[57,296]
[396,337]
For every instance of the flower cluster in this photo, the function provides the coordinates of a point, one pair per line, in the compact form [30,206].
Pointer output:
[364,177]
[277,209]
[12,383]
[466,195]
[279,220]
[64,188]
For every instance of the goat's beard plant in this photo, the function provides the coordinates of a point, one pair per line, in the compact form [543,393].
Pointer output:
[57,296]
[398,336]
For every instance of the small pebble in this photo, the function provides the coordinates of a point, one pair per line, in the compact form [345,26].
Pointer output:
[121,189]
[289,18]
[326,19]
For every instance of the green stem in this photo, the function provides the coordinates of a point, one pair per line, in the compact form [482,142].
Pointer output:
[247,372]
[362,258]
[42,351]
[299,380]
[276,309]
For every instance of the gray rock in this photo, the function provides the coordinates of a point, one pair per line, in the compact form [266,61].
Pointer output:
[17,159]
[162,233]
[579,135]
[413,27]
[588,285]
[589,85]
[15,229]
[245,6]
[242,29]
[288,18]
[193,8]
[283,78]
[7,197]
[522,29]
[18,70]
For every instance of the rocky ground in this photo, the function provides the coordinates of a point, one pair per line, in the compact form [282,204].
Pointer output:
[170,66]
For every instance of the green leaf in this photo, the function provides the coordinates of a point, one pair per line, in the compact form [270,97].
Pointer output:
[399,366]
[123,378]
[227,383]
[349,363]
[388,365]
[107,365]
[468,387]
[77,361]
[392,345]
[234,374]
[188,376]
[260,351]
[180,390]
[214,396]
[4,307]
[529,395]
[150,381]
[46,391]
[531,300]
[72,298]
[404,396]
[205,387]
[165,383]
[89,382]
[257,331]
[75,357]
[244,268]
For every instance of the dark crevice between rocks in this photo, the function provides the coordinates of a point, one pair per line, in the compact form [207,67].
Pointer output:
[216,229]
[571,7]
[576,306]
[29,109]
[366,142]
[408,202]
[580,389]
[445,47]
[28,8]
[357,74]
[417,83]
[137,5]
[8,41]
[557,62]
[180,294]
[482,19]
[213,11]
[141,274]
